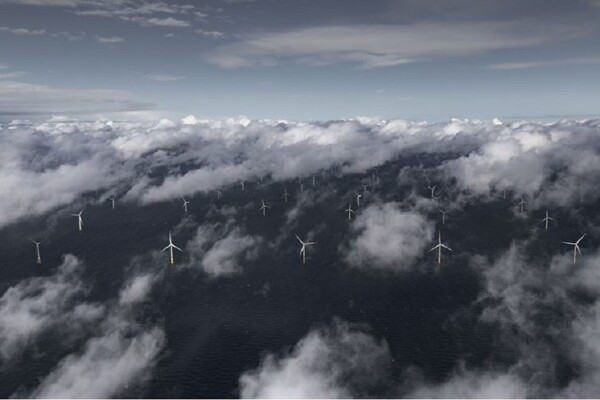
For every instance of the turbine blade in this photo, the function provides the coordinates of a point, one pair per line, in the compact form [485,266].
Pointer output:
[177,248]
[446,247]
[434,248]
[166,248]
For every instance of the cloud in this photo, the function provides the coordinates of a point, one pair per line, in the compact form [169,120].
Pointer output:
[329,362]
[109,40]
[23,31]
[164,78]
[388,238]
[21,98]
[473,385]
[371,46]
[220,249]
[37,304]
[212,34]
[120,352]
[546,63]
[105,367]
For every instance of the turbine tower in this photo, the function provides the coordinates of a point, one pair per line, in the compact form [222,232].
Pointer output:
[576,248]
[112,200]
[185,204]
[358,196]
[432,191]
[303,249]
[439,248]
[79,220]
[314,180]
[285,194]
[219,194]
[350,211]
[443,215]
[171,246]
[243,183]
[264,208]
[37,251]
[365,189]
[548,218]
[522,204]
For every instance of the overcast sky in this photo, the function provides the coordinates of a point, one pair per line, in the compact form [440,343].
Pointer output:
[299,59]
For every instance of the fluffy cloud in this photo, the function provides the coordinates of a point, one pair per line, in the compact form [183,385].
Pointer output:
[105,367]
[40,303]
[388,238]
[330,362]
[220,250]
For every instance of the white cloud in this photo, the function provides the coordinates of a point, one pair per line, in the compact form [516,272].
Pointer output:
[388,238]
[40,303]
[220,251]
[383,45]
[110,39]
[23,31]
[105,367]
[164,78]
[329,362]
[212,34]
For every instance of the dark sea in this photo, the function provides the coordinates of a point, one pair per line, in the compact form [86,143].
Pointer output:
[216,328]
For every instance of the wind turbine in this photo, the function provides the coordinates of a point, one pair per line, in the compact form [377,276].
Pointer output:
[285,194]
[439,248]
[79,220]
[243,183]
[365,189]
[350,211]
[112,199]
[219,194]
[443,215]
[358,196]
[548,218]
[185,203]
[432,191]
[37,250]
[576,248]
[303,249]
[522,204]
[264,208]
[171,246]
[301,187]
[314,180]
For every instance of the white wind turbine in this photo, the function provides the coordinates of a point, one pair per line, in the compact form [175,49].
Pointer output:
[576,248]
[522,204]
[185,204]
[432,191]
[112,200]
[79,220]
[548,218]
[439,248]
[171,246]
[37,250]
[243,183]
[264,207]
[219,194]
[285,194]
[444,212]
[303,249]
[358,196]
[365,189]
[350,211]
[314,180]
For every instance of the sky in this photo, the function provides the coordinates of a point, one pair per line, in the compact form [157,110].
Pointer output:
[299,59]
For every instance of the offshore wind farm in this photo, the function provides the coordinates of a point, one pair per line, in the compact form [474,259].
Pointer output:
[333,199]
